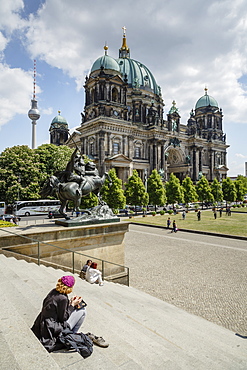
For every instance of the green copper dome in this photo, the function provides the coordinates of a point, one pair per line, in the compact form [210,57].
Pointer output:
[60,120]
[138,75]
[205,101]
[107,62]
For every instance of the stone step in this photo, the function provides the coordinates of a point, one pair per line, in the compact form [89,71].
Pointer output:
[178,325]
[21,346]
[27,310]
[143,331]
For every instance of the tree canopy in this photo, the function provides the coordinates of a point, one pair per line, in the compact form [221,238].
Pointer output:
[21,174]
[203,190]
[189,190]
[23,170]
[135,191]
[54,158]
[156,190]
[240,189]
[174,190]
[113,194]
[229,190]
[216,190]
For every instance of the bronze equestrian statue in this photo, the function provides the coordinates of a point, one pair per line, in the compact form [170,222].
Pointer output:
[67,185]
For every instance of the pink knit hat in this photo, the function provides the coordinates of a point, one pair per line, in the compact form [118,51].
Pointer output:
[68,280]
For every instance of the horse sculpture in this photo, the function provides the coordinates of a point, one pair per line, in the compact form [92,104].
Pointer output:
[71,190]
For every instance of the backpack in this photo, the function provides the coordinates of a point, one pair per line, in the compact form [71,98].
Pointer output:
[78,341]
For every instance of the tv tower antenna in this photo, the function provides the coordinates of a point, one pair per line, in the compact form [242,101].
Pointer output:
[33,113]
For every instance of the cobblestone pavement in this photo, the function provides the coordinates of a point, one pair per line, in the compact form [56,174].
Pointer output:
[203,275]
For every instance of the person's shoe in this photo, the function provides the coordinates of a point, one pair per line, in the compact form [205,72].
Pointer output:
[101,284]
[90,335]
[99,341]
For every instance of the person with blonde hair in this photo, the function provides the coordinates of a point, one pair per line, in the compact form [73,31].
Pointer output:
[58,313]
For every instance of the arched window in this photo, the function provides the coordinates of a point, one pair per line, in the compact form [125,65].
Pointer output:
[137,152]
[91,148]
[114,94]
[115,148]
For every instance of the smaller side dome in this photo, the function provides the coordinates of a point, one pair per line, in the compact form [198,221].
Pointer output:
[106,62]
[60,120]
[206,100]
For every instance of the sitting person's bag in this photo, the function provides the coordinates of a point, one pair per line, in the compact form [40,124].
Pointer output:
[78,341]
[83,275]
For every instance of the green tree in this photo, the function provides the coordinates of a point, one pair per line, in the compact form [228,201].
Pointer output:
[174,191]
[89,201]
[21,174]
[229,190]
[203,190]
[240,189]
[216,190]
[189,190]
[113,193]
[244,181]
[156,190]
[54,158]
[135,191]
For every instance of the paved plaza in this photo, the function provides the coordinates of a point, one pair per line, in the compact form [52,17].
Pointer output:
[204,275]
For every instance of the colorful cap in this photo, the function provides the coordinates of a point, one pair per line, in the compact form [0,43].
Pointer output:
[68,280]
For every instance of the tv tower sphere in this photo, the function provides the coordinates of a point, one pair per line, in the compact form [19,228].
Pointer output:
[33,113]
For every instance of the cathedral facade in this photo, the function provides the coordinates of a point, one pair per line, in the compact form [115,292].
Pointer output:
[123,125]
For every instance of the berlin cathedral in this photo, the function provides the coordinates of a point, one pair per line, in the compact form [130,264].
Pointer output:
[123,125]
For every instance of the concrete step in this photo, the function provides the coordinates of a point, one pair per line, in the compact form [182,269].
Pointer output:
[23,351]
[143,331]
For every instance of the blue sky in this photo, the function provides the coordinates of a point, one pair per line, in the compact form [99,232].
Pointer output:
[187,46]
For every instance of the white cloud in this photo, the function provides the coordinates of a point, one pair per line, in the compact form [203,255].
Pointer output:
[240,155]
[14,92]
[46,111]
[186,47]
[10,15]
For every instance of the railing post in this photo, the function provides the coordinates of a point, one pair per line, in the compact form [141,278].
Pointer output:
[38,254]
[73,262]
[103,270]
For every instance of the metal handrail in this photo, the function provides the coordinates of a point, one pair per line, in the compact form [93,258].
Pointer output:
[73,254]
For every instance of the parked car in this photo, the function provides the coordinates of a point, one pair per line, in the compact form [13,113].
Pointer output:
[135,208]
[54,214]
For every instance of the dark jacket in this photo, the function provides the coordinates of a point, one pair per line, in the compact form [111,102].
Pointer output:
[52,319]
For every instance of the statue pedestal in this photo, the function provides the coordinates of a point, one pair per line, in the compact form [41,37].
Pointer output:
[79,222]
[104,241]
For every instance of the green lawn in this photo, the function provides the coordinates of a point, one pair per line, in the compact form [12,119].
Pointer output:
[236,224]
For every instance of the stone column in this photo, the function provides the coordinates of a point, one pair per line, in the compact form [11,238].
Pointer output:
[194,165]
[130,147]
[102,152]
[211,164]
[200,160]
[108,144]
[123,144]
[162,157]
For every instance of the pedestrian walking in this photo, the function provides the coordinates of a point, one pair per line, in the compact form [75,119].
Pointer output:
[168,223]
[215,215]
[199,215]
[174,227]
[183,215]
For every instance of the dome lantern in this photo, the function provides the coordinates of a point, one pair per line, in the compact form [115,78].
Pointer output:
[206,101]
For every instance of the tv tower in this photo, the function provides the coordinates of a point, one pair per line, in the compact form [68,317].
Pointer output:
[33,113]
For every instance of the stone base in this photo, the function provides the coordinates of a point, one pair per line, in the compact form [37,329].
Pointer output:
[55,245]
[75,222]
